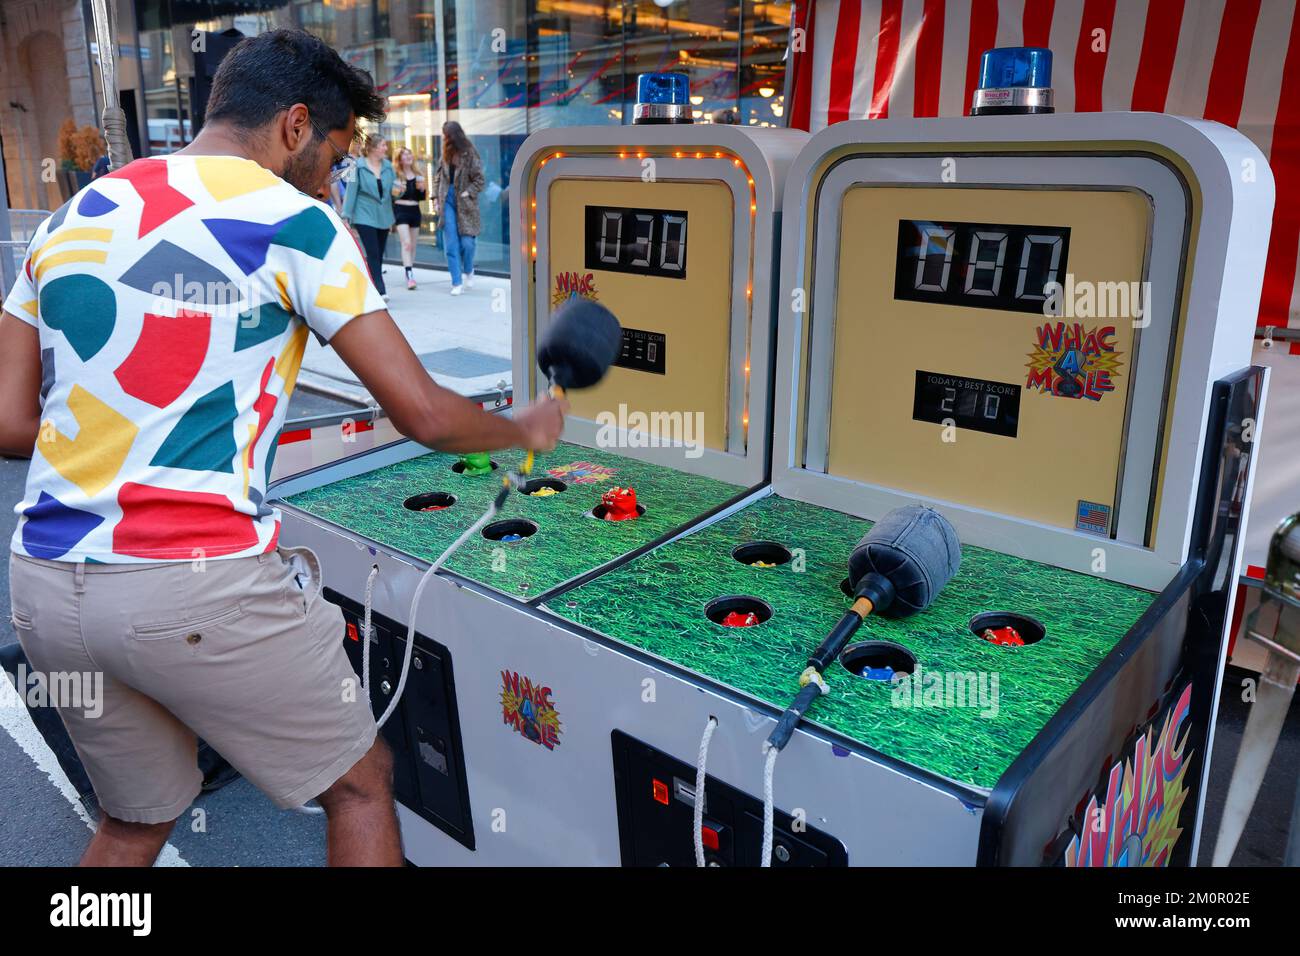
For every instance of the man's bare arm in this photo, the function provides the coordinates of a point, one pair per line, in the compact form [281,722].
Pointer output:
[20,386]
[421,409]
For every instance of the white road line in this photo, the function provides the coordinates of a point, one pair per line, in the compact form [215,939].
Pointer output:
[17,723]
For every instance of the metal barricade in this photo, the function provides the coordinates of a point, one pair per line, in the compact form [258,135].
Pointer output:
[12,255]
[23,224]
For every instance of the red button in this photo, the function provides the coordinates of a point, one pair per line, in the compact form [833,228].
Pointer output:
[709,837]
[353,634]
[660,792]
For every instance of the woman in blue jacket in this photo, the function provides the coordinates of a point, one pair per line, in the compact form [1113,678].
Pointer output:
[367,205]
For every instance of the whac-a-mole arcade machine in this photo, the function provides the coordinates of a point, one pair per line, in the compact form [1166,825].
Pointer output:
[674,227]
[955,332]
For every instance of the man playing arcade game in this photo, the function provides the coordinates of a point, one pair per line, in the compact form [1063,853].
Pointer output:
[147,355]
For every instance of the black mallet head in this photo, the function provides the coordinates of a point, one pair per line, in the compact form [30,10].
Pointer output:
[580,344]
[915,550]
[899,566]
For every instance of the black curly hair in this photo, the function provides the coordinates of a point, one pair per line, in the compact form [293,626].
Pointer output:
[270,72]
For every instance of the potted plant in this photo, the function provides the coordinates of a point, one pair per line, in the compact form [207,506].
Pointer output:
[78,150]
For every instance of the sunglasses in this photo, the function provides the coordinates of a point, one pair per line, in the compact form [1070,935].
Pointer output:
[343,165]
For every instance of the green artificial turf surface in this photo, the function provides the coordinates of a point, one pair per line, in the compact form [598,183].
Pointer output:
[568,541]
[657,603]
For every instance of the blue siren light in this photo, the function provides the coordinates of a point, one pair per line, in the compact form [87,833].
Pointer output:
[1014,79]
[662,98]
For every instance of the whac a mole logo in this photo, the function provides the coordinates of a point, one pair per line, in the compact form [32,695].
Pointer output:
[570,285]
[1070,361]
[528,708]
[1135,823]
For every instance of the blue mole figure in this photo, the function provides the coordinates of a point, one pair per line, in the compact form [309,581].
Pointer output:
[529,715]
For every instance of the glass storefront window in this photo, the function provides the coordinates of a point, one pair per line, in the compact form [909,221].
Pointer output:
[762,64]
[501,68]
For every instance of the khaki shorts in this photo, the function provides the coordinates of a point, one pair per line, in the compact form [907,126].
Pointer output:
[235,650]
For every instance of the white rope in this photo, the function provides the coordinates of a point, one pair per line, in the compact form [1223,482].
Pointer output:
[700,763]
[469,532]
[365,667]
[769,768]
[365,634]
[415,605]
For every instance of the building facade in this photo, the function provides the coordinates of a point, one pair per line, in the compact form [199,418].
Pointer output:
[45,79]
[502,68]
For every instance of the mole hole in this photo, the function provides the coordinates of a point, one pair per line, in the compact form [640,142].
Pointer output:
[737,610]
[459,468]
[762,554]
[548,486]
[431,501]
[602,509]
[1007,629]
[515,529]
[878,660]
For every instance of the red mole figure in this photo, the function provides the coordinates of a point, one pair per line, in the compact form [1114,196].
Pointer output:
[740,619]
[619,504]
[1003,636]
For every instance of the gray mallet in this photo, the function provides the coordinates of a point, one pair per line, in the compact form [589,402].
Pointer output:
[896,570]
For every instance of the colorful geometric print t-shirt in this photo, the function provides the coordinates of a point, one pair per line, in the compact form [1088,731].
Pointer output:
[173,299]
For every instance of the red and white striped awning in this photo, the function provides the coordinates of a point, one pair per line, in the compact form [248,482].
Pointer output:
[1234,61]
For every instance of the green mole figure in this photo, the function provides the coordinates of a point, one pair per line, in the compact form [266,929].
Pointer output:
[476,463]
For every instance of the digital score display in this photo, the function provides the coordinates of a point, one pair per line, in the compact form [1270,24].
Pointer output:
[635,240]
[643,351]
[974,403]
[982,265]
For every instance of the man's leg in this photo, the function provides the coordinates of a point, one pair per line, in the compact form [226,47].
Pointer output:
[117,843]
[231,675]
[140,758]
[362,827]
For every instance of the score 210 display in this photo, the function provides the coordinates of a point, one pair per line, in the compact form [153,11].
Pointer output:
[985,406]
[639,241]
[982,265]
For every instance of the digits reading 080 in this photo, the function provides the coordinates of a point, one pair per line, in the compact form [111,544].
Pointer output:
[982,265]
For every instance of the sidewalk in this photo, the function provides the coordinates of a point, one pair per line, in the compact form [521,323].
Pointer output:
[461,340]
